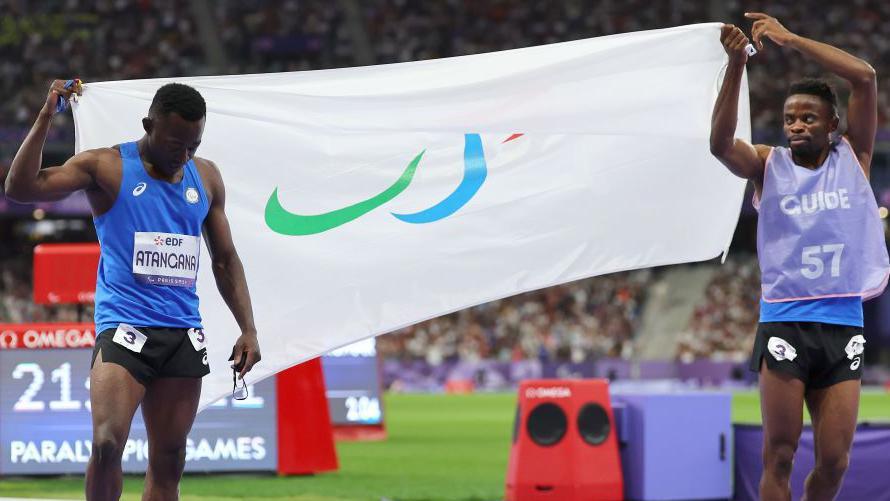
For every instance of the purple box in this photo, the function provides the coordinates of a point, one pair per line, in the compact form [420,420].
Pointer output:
[676,445]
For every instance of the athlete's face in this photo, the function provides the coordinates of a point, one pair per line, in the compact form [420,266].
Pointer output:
[808,124]
[172,140]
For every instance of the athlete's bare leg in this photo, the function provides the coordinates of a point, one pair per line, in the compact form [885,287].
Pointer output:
[834,411]
[169,410]
[114,397]
[781,405]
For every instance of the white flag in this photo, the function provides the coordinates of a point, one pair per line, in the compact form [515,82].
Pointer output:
[367,199]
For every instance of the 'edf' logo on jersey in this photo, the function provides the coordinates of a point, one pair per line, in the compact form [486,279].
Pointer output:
[172,241]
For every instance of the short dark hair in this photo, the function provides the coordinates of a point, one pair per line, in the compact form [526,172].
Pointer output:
[815,87]
[178,98]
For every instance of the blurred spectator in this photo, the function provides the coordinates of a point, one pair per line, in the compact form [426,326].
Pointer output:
[282,35]
[722,326]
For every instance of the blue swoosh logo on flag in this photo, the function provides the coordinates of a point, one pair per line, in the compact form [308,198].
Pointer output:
[475,171]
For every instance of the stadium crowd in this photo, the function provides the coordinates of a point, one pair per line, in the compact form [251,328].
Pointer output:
[575,322]
[126,39]
[282,35]
[95,40]
[723,323]
[402,30]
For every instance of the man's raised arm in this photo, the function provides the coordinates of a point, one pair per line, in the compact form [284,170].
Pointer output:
[26,182]
[740,157]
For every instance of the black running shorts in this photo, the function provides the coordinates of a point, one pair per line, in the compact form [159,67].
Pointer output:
[154,352]
[818,354]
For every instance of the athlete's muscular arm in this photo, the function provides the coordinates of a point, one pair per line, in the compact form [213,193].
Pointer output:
[862,109]
[741,158]
[227,268]
[26,182]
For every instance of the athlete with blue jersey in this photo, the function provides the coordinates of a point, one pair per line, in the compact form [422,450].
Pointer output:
[821,249]
[152,201]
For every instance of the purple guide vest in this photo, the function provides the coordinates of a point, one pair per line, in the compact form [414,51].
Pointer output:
[819,233]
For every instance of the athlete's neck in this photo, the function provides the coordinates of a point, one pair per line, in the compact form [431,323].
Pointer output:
[811,161]
[151,167]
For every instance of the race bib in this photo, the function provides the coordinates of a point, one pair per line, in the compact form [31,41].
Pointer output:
[166,258]
[198,338]
[781,349]
[130,338]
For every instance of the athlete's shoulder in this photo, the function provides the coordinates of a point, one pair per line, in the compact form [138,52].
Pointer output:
[99,163]
[206,165]
[95,157]
[763,151]
[106,151]
[210,176]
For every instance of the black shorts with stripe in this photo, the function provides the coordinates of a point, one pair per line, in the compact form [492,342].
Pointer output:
[154,352]
[817,353]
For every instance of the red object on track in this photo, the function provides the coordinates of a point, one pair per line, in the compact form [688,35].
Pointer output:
[564,443]
[65,273]
[305,435]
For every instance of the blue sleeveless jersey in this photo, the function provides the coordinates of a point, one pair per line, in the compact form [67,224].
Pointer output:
[151,243]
